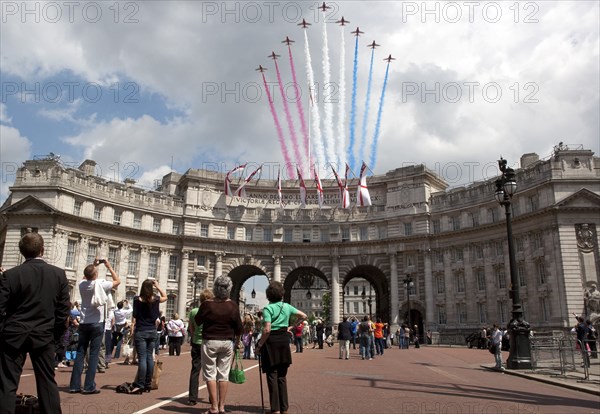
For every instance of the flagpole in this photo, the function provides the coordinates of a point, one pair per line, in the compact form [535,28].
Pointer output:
[309,129]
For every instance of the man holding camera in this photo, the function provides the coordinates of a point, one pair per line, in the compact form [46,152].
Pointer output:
[91,327]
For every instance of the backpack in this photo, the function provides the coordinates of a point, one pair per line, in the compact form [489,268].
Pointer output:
[99,298]
[364,328]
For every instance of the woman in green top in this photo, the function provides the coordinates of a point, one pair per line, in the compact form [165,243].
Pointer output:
[275,355]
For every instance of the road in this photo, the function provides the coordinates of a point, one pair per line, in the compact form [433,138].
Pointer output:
[414,381]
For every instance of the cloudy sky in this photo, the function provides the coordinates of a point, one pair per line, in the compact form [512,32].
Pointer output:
[146,87]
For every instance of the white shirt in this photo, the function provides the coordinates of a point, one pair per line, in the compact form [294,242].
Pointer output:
[89,313]
[121,315]
[497,337]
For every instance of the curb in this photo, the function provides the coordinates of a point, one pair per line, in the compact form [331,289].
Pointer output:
[545,380]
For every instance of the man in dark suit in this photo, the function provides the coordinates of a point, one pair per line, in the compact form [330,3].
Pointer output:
[34,307]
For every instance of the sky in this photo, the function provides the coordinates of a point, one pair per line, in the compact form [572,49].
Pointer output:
[145,88]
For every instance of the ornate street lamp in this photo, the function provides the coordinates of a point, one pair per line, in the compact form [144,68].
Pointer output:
[253,293]
[408,284]
[306,280]
[364,297]
[518,329]
[197,283]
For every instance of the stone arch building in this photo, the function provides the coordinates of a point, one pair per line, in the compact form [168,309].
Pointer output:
[452,242]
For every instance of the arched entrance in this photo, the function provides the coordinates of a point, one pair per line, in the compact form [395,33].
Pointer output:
[380,298]
[302,280]
[416,318]
[239,275]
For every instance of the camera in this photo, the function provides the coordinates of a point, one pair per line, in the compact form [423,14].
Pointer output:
[101,261]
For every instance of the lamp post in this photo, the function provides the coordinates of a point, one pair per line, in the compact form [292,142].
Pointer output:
[364,297]
[197,281]
[518,329]
[408,283]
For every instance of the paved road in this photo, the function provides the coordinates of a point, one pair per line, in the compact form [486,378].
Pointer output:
[426,380]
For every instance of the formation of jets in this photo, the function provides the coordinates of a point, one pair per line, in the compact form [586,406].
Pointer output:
[287,41]
[260,69]
[389,58]
[373,45]
[273,55]
[324,7]
[357,32]
[304,24]
[342,21]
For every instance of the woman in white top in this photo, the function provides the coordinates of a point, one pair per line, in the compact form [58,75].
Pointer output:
[176,329]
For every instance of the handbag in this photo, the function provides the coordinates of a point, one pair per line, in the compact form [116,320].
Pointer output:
[156,374]
[27,404]
[236,373]
[492,349]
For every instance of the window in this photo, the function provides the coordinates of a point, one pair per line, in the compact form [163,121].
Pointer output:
[171,305]
[478,252]
[324,236]
[482,312]
[153,265]
[501,278]
[439,256]
[533,203]
[305,235]
[288,235]
[249,234]
[137,221]
[97,213]
[521,274]
[113,257]
[456,223]
[92,253]
[173,265]
[156,224]
[502,311]
[461,312]
[460,283]
[203,230]
[231,233]
[519,244]
[345,234]
[117,218]
[410,260]
[436,226]
[492,216]
[364,233]
[541,272]
[545,305]
[176,227]
[355,290]
[201,261]
[77,208]
[499,249]
[132,263]
[268,234]
[129,295]
[475,219]
[70,259]
[537,241]
[382,232]
[458,254]
[440,283]
[480,279]
[441,314]
[356,307]
[408,229]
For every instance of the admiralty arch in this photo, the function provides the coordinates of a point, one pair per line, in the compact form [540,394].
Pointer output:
[452,242]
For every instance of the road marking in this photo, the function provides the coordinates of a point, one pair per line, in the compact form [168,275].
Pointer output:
[176,397]
[446,374]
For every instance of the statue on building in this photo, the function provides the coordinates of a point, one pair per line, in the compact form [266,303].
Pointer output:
[592,303]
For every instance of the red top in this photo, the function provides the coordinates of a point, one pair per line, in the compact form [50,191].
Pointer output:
[378,330]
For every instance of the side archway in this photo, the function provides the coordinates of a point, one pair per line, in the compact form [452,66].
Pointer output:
[239,275]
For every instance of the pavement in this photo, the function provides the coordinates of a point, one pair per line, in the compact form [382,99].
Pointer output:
[571,379]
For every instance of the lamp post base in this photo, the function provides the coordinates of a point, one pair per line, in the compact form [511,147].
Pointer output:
[520,345]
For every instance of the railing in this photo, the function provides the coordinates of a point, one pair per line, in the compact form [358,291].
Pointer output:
[561,354]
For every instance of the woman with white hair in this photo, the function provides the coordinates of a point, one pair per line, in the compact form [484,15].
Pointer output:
[221,331]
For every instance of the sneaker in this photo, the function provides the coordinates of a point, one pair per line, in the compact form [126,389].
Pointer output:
[96,391]
[61,365]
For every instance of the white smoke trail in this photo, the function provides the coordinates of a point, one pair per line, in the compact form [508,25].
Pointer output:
[327,98]
[314,109]
[341,138]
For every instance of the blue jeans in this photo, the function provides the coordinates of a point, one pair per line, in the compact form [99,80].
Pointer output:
[379,345]
[365,352]
[90,335]
[498,356]
[145,341]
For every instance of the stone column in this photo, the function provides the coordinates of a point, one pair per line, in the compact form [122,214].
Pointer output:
[430,318]
[335,289]
[124,259]
[219,264]
[163,275]
[143,265]
[183,283]
[277,268]
[394,301]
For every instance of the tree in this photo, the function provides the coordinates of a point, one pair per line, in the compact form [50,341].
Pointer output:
[326,307]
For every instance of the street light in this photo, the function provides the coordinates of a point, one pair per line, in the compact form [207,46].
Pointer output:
[253,293]
[408,284]
[518,329]
[197,281]
[364,296]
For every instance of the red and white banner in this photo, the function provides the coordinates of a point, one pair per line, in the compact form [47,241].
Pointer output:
[320,195]
[302,189]
[362,195]
[344,195]
[241,191]
[228,180]
[279,195]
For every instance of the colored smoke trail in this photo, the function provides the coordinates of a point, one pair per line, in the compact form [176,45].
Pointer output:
[314,108]
[304,168]
[288,117]
[373,157]
[353,108]
[363,139]
[284,150]
[327,99]
[341,138]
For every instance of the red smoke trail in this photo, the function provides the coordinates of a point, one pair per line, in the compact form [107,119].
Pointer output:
[284,150]
[288,117]
[303,125]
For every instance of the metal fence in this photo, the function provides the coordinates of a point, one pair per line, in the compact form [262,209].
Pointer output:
[559,355]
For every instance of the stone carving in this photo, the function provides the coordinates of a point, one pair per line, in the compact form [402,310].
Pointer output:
[586,236]
[592,303]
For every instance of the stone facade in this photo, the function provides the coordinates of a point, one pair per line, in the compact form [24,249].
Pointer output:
[452,243]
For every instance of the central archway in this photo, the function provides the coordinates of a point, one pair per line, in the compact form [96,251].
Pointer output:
[295,275]
[380,285]
[239,275]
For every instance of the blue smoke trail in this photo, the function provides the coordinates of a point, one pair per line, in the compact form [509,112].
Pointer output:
[377,125]
[363,140]
[353,108]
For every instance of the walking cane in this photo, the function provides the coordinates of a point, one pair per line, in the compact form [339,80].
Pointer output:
[262,400]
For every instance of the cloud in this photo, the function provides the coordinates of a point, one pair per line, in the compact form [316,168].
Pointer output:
[4,118]
[14,149]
